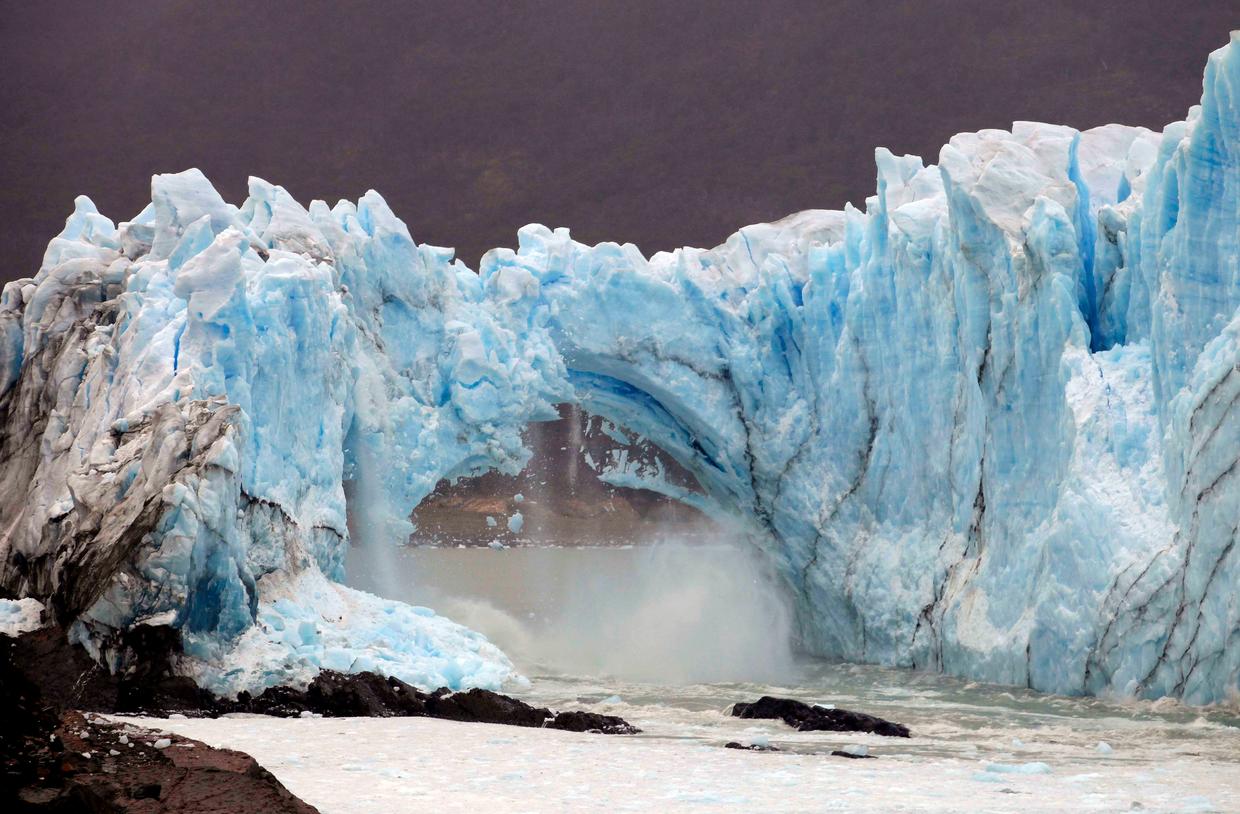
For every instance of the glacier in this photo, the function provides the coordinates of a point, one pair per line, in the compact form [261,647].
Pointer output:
[989,424]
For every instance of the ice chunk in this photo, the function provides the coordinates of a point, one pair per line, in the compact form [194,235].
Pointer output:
[18,616]
[1034,767]
[353,631]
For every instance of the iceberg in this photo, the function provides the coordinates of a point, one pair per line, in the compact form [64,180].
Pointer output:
[989,424]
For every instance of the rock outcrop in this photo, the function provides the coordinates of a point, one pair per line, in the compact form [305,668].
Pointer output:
[806,718]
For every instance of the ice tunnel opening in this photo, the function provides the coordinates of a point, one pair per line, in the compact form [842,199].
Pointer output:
[602,557]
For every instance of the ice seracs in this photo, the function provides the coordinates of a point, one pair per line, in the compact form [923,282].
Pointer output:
[191,399]
[990,424]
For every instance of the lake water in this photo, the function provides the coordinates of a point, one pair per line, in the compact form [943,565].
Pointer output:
[669,635]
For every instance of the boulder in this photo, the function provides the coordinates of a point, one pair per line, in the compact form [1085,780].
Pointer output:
[806,718]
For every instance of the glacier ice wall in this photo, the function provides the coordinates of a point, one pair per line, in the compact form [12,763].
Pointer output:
[186,395]
[990,424]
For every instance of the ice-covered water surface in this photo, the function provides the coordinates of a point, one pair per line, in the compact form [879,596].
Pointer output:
[974,748]
[950,717]
[990,425]
[974,733]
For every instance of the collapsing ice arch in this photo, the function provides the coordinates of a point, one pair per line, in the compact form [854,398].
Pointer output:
[990,425]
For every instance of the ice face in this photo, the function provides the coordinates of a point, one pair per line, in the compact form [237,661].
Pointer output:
[990,424]
[195,387]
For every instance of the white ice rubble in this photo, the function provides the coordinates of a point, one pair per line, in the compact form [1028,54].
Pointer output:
[18,616]
[490,768]
[990,424]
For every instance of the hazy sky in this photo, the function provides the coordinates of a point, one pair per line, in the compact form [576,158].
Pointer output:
[659,123]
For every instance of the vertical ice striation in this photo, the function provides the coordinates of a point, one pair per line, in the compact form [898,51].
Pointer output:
[189,394]
[990,424]
[960,420]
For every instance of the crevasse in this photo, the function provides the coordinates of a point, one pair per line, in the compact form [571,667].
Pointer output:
[989,425]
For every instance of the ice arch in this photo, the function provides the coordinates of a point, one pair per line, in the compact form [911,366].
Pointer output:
[988,425]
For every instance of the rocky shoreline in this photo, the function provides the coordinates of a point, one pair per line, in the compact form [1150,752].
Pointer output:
[67,678]
[56,755]
[59,755]
[55,758]
[85,763]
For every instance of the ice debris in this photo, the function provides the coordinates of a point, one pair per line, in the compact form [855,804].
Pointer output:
[1035,767]
[18,616]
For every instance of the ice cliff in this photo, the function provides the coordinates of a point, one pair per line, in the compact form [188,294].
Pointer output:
[990,424]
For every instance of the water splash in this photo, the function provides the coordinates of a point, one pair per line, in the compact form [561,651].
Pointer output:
[670,612]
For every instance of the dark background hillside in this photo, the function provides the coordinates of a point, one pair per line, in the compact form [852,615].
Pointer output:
[659,123]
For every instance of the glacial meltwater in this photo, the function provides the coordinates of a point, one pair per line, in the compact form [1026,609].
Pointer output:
[669,635]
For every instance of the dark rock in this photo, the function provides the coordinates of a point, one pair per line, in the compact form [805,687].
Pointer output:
[68,678]
[579,721]
[483,706]
[44,765]
[333,694]
[806,718]
[850,755]
[25,729]
[188,776]
[338,695]
[150,684]
[167,695]
[753,747]
[366,694]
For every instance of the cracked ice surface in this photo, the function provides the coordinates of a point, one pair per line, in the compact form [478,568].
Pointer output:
[990,424]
